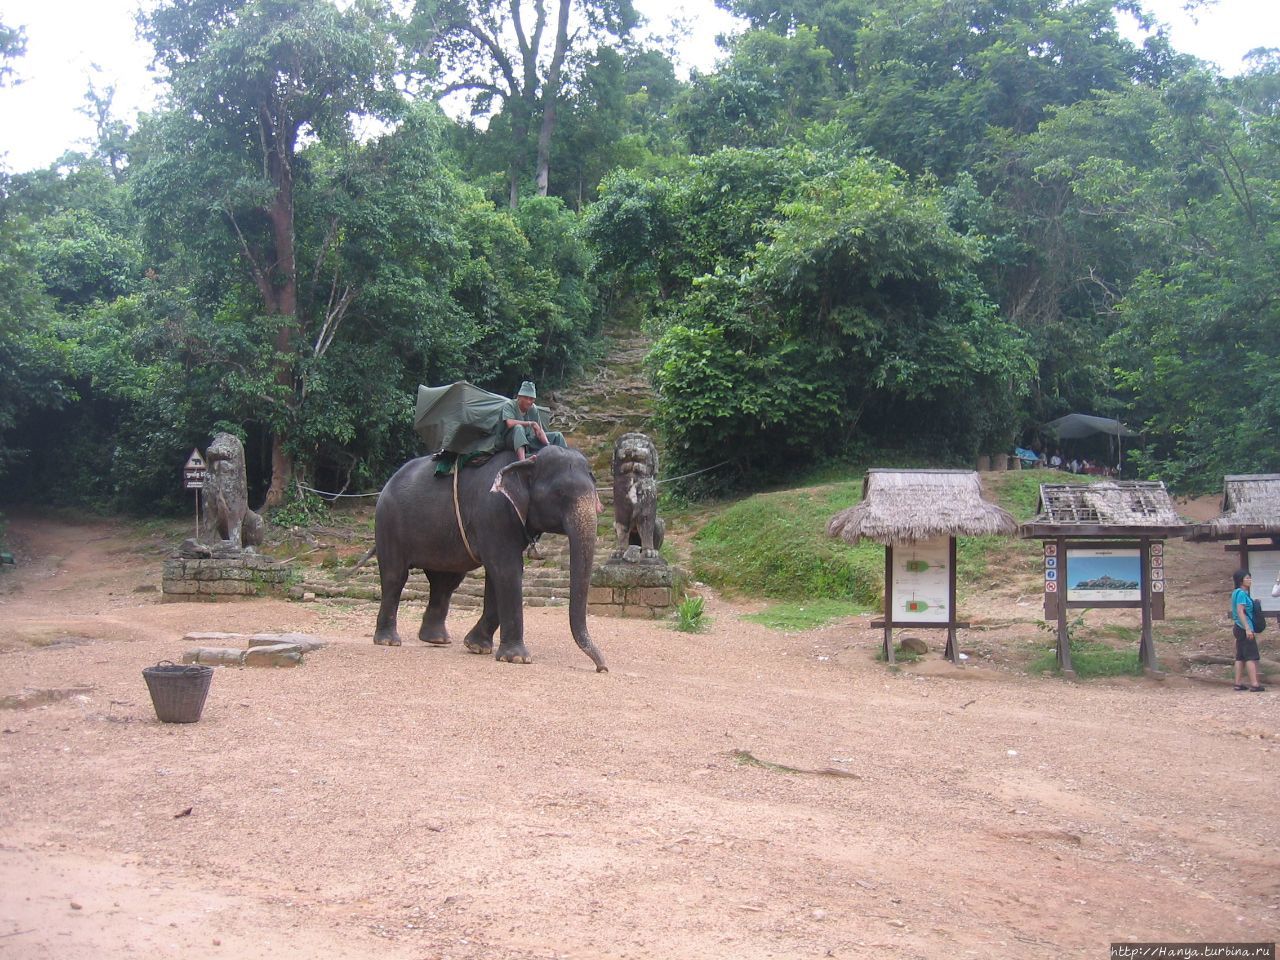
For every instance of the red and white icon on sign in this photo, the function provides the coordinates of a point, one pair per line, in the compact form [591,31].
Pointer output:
[1051,586]
[1157,586]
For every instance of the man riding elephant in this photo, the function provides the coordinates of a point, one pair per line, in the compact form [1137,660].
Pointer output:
[520,425]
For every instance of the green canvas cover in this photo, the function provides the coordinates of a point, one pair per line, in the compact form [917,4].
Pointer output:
[459,417]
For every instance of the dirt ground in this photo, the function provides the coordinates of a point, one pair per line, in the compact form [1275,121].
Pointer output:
[426,803]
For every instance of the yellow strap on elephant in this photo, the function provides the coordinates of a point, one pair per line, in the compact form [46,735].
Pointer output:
[457,469]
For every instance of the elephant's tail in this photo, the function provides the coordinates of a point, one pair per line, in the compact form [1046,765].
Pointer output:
[363,560]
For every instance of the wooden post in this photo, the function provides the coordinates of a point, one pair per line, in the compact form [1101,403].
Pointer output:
[1064,637]
[888,604]
[1147,648]
[953,646]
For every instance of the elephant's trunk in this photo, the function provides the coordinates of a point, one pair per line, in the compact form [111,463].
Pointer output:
[581,530]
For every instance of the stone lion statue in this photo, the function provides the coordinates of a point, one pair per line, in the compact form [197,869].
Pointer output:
[226,495]
[635,498]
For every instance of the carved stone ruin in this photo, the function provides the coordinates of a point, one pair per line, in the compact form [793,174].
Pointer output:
[223,563]
[635,500]
[635,581]
[226,496]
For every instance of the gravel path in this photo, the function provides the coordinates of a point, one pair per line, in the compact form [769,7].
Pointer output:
[426,803]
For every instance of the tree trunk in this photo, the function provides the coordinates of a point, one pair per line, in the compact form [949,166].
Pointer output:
[282,300]
[550,97]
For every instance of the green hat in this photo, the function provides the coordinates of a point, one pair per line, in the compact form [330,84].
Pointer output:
[526,390]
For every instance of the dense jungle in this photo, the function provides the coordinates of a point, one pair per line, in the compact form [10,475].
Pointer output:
[916,230]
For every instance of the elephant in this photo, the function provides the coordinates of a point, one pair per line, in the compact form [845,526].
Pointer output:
[501,505]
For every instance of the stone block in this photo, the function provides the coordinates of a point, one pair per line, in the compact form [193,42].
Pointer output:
[601,595]
[277,655]
[604,610]
[179,586]
[303,641]
[215,656]
[654,596]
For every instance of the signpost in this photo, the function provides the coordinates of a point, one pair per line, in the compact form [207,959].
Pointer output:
[193,477]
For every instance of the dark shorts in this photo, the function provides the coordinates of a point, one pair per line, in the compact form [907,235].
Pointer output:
[1246,646]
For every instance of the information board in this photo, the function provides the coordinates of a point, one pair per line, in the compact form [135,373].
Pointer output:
[922,582]
[1104,574]
[1263,565]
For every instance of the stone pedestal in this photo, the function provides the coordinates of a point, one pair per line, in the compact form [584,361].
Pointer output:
[648,589]
[248,575]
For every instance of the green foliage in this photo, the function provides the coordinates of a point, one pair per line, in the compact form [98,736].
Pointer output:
[807,300]
[797,616]
[934,226]
[300,509]
[770,86]
[1195,349]
[689,615]
[32,361]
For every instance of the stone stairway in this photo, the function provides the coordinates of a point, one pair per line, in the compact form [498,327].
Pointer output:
[546,581]
[607,401]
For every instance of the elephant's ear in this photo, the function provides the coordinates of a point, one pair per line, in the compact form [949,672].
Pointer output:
[513,482]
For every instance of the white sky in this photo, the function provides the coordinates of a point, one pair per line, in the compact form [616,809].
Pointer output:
[65,38]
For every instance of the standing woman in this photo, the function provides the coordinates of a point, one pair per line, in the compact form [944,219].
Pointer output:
[1242,628]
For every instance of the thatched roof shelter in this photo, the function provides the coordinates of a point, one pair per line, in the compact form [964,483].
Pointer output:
[1111,508]
[1250,508]
[908,506]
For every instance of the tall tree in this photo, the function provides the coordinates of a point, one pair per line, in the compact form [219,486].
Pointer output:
[1196,350]
[509,58]
[250,80]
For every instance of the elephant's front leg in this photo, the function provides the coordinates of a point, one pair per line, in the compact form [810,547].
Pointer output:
[479,639]
[433,629]
[508,589]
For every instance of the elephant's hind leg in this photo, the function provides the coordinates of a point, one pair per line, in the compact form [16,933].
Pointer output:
[479,639]
[392,581]
[433,628]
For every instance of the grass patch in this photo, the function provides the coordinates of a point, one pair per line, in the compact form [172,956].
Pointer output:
[775,545]
[1091,660]
[794,616]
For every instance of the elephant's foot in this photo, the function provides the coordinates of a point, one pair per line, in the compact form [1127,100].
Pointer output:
[515,653]
[437,638]
[386,638]
[478,645]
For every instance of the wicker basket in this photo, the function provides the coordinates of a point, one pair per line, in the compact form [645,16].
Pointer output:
[177,691]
